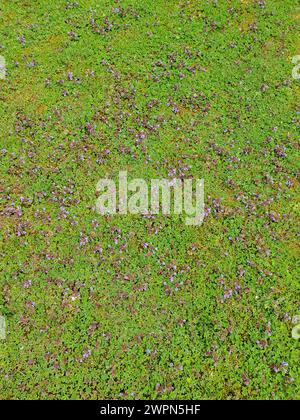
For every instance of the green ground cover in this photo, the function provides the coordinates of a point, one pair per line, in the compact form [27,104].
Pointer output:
[130,307]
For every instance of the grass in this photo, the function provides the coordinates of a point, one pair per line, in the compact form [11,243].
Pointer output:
[91,311]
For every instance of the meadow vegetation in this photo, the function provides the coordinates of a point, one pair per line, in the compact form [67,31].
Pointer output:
[132,306]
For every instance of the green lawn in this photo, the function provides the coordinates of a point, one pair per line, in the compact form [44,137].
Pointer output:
[130,307]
